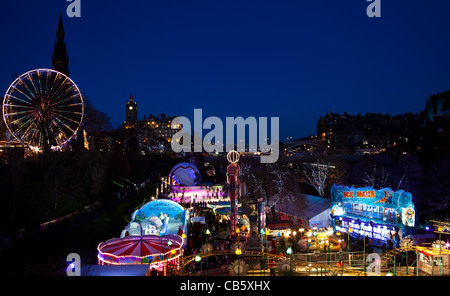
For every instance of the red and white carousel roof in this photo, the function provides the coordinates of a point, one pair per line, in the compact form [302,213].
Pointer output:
[141,246]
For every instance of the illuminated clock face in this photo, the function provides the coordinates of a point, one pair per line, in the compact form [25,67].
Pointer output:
[131,107]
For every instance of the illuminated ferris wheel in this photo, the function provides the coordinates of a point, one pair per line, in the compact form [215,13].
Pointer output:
[43,108]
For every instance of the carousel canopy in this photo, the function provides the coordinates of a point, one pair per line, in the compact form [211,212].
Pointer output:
[140,246]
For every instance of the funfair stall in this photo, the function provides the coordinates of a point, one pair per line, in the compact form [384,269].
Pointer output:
[434,260]
[384,216]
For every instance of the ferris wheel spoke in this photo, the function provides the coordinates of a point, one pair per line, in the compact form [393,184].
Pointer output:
[16,113]
[39,83]
[35,132]
[60,87]
[62,99]
[43,82]
[12,106]
[27,131]
[52,87]
[21,122]
[32,83]
[66,99]
[20,119]
[69,128]
[19,132]
[46,81]
[20,91]
[70,119]
[18,124]
[69,107]
[61,127]
[61,91]
[70,112]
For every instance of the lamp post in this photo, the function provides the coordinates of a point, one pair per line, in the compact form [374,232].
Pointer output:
[289,252]
[198,259]
[308,235]
[364,244]
[238,252]
[207,232]
[340,240]
[329,234]
[261,235]
[348,239]
[440,247]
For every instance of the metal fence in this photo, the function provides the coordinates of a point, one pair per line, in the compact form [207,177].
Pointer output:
[303,264]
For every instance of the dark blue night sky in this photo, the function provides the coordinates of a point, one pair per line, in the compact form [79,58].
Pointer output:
[294,59]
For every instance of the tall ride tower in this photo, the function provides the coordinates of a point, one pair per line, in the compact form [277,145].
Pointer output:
[233,171]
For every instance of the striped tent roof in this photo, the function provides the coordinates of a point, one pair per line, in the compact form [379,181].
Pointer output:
[141,246]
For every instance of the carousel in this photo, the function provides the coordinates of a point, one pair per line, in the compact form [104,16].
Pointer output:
[157,251]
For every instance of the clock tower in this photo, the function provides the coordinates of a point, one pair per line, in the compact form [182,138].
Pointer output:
[131,110]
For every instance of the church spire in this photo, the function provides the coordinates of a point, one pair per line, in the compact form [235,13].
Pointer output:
[60,59]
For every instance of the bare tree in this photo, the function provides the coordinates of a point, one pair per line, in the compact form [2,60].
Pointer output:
[283,191]
[255,185]
[275,184]
[315,174]
[378,178]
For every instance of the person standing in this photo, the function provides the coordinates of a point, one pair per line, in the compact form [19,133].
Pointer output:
[272,266]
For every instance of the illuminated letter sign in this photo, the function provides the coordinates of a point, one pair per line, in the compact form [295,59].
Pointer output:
[349,194]
[365,194]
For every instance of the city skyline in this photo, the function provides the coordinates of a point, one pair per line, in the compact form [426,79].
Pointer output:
[296,61]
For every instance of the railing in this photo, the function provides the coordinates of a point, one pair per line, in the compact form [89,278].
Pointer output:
[333,263]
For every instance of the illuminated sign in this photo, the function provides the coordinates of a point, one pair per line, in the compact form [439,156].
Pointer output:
[360,194]
[368,193]
[158,217]
[349,194]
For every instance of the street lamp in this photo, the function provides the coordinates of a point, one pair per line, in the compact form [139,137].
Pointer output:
[348,238]
[363,226]
[289,252]
[238,252]
[440,248]
[198,259]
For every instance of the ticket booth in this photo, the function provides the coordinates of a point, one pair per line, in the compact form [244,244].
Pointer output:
[434,261]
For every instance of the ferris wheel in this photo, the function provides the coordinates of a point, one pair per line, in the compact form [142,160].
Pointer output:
[43,108]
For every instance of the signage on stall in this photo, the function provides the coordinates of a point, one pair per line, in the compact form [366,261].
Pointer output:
[360,194]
